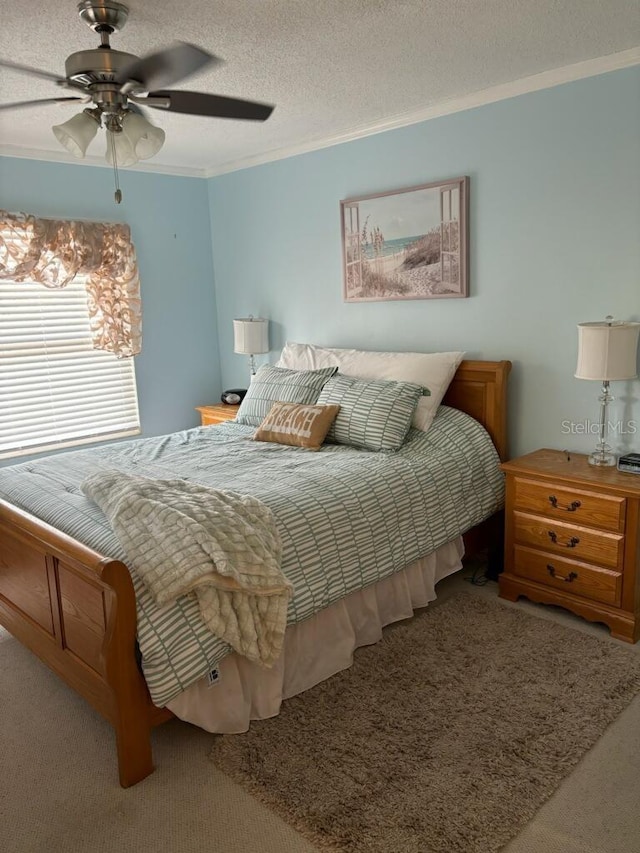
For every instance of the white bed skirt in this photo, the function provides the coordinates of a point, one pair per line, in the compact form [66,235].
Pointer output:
[315,649]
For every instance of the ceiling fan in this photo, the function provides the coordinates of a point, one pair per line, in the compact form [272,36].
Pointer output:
[119,84]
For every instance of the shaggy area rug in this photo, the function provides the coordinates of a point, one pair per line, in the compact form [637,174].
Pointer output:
[447,735]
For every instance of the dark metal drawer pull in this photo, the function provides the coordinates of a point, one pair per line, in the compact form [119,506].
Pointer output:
[572,507]
[570,544]
[569,578]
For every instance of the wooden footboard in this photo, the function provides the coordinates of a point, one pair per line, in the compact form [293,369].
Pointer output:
[76,611]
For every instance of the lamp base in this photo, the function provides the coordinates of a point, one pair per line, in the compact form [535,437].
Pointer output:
[602,458]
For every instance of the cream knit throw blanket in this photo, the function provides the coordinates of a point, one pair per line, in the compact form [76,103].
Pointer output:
[181,537]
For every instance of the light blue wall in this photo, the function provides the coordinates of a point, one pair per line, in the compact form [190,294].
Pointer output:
[555,227]
[178,367]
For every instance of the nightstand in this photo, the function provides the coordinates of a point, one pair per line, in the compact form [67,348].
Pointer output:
[217,414]
[572,538]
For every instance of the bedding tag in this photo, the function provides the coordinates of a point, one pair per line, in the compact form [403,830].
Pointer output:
[213,678]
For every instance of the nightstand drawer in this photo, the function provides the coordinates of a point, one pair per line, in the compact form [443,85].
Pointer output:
[569,540]
[570,505]
[569,575]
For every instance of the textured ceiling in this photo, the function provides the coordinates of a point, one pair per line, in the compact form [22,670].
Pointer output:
[332,67]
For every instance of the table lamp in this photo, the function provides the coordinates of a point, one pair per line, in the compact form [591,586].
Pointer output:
[606,352]
[251,337]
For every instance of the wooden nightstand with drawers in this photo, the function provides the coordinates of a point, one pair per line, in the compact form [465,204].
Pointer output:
[217,414]
[572,538]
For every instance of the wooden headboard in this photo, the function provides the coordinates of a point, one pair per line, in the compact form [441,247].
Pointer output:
[479,388]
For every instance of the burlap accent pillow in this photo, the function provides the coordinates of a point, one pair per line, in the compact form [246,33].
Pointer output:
[297,424]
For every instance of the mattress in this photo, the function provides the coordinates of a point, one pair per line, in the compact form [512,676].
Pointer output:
[347,517]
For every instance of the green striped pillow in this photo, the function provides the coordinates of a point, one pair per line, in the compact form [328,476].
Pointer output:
[279,384]
[375,414]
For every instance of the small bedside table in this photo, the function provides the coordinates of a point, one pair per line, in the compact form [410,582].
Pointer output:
[217,414]
[572,538]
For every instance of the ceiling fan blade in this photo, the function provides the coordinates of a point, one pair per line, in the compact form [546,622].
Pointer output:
[18,104]
[215,106]
[36,72]
[167,66]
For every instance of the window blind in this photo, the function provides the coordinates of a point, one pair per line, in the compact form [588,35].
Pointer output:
[55,389]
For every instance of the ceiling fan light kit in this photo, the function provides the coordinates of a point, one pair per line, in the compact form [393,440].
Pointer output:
[119,84]
[76,133]
[146,138]
[120,150]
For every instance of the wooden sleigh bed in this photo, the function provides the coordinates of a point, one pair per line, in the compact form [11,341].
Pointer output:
[76,609]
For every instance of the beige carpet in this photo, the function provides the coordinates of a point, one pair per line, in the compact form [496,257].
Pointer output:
[446,736]
[59,789]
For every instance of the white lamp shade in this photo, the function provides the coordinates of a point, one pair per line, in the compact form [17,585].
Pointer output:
[125,153]
[251,336]
[607,351]
[77,133]
[146,138]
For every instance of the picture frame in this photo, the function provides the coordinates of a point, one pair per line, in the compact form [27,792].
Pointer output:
[407,244]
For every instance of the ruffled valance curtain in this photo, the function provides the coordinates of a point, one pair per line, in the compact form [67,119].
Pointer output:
[53,251]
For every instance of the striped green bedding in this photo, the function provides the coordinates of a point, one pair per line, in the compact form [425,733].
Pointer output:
[347,517]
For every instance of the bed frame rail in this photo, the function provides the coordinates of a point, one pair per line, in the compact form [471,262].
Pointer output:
[76,611]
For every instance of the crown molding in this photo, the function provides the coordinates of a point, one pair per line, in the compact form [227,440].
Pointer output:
[63,157]
[533,83]
[523,86]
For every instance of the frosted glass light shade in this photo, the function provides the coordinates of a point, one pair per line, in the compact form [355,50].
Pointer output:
[125,153]
[251,336]
[77,133]
[146,138]
[607,351]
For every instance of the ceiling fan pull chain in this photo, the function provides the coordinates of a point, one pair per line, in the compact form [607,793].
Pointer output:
[118,193]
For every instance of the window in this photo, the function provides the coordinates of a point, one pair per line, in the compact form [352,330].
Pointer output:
[55,389]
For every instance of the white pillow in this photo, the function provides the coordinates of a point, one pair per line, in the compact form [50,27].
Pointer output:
[432,370]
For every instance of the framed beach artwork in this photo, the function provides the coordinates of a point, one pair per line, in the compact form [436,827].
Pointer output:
[407,244]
